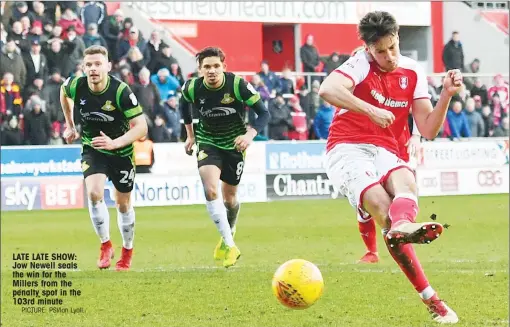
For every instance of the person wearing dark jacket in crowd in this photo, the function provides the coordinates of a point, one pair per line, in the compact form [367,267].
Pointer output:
[11,133]
[164,60]
[37,124]
[281,121]
[159,132]
[309,55]
[172,117]
[93,12]
[112,28]
[453,53]
[58,54]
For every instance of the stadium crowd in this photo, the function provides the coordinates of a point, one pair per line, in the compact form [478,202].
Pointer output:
[42,44]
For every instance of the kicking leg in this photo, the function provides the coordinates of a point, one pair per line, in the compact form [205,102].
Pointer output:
[126,223]
[403,210]
[100,217]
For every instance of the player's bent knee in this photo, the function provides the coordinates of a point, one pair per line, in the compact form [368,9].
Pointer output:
[95,195]
[211,192]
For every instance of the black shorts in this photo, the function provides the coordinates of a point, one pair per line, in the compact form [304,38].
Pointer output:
[230,162]
[120,170]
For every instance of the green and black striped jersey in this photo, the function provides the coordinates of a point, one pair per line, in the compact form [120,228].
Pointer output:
[222,110]
[108,111]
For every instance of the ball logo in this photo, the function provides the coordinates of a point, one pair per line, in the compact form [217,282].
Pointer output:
[488,178]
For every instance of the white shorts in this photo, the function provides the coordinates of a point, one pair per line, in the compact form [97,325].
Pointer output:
[354,168]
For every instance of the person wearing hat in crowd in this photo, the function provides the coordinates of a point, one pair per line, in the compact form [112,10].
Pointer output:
[172,117]
[92,37]
[35,62]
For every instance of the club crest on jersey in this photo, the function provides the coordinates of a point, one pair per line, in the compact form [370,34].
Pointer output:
[227,99]
[403,82]
[108,106]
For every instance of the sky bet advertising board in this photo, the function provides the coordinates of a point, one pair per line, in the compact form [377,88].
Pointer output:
[34,161]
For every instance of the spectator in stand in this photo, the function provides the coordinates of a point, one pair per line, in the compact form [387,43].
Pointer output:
[6,12]
[434,94]
[11,133]
[126,75]
[19,10]
[309,55]
[40,14]
[475,120]
[159,132]
[135,60]
[323,120]
[56,32]
[281,121]
[112,29]
[51,94]
[473,68]
[165,83]
[55,137]
[37,124]
[76,56]
[172,117]
[501,88]
[480,90]
[25,25]
[155,45]
[36,33]
[300,124]
[502,130]
[35,63]
[11,102]
[58,54]
[453,53]
[93,12]
[175,71]
[287,82]
[165,59]
[19,39]
[478,104]
[92,37]
[148,95]
[457,120]
[269,78]
[11,61]
[68,19]
[488,121]
[331,63]
[135,39]
[3,35]
[35,88]
[498,110]
[261,87]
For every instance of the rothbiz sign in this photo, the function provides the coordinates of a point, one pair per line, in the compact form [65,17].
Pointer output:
[299,186]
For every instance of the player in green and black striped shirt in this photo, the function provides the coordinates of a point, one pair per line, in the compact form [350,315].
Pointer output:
[221,138]
[107,108]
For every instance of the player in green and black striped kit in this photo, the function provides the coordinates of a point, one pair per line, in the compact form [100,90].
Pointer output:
[107,108]
[221,138]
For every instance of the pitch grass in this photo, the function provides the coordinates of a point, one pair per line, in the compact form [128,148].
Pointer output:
[174,281]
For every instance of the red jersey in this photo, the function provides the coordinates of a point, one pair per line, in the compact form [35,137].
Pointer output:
[402,144]
[393,91]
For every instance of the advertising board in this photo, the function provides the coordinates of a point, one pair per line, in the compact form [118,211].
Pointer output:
[35,161]
[300,186]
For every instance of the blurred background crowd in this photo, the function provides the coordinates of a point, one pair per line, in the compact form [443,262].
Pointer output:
[42,44]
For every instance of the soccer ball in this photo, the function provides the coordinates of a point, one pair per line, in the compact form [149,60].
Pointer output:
[298,284]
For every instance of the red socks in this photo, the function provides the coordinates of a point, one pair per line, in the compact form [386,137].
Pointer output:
[368,234]
[403,208]
[406,258]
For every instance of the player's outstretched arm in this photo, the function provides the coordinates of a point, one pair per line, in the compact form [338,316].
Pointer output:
[430,119]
